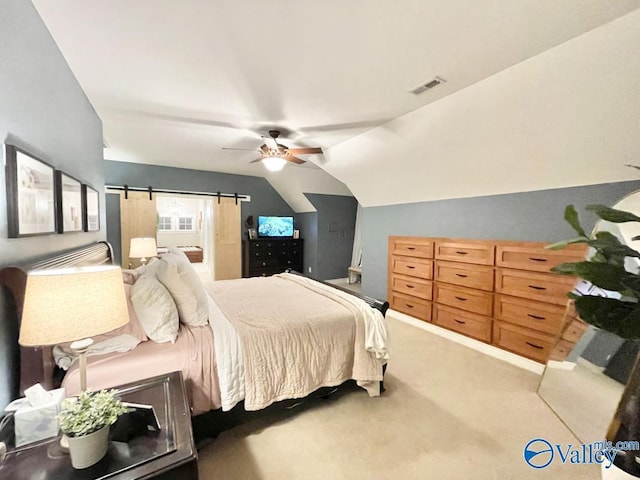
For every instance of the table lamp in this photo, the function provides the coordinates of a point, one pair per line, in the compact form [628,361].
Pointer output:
[142,247]
[72,305]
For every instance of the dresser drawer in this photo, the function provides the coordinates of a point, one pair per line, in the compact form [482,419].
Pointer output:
[415,267]
[475,301]
[416,307]
[476,326]
[416,287]
[544,317]
[523,341]
[561,350]
[411,247]
[481,253]
[543,287]
[574,331]
[535,257]
[465,274]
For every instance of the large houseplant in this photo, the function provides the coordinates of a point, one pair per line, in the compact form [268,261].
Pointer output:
[617,312]
[85,421]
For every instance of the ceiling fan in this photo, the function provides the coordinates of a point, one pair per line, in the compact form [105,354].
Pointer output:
[275,156]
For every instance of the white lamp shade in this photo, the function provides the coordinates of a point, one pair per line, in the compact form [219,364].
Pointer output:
[71,304]
[143,247]
[274,164]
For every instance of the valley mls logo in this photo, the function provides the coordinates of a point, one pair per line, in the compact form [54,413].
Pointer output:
[538,453]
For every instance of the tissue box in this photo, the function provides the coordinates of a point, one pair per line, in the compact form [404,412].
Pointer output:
[37,423]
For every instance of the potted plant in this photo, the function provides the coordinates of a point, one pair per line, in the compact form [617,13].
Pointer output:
[85,421]
[618,312]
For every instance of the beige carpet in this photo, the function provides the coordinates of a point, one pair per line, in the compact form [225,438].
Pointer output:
[449,412]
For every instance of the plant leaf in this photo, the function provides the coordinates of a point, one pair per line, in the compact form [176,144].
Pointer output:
[571,216]
[609,245]
[563,243]
[568,268]
[603,275]
[612,315]
[612,215]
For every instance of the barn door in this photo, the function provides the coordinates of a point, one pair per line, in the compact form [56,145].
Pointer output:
[138,218]
[227,239]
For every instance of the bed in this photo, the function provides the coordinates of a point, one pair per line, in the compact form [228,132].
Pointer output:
[266,340]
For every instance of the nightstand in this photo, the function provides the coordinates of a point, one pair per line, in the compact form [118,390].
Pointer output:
[167,454]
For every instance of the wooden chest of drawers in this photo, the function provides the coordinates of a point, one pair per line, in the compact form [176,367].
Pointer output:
[410,288]
[499,292]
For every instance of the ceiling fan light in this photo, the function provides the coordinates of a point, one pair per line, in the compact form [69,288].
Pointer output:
[274,164]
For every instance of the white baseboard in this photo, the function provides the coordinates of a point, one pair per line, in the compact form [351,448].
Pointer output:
[561,365]
[477,345]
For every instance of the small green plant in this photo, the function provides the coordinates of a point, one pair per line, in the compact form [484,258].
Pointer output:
[89,412]
[605,269]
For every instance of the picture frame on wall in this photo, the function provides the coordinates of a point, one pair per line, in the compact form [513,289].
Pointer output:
[90,209]
[69,203]
[31,199]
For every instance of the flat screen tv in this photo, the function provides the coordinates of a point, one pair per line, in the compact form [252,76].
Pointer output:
[275,227]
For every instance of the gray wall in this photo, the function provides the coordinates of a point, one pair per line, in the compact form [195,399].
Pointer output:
[265,200]
[307,223]
[44,111]
[535,216]
[335,228]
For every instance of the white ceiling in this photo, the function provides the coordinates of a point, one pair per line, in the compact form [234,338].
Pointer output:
[175,81]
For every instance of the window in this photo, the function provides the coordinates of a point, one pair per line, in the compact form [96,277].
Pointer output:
[164,223]
[185,224]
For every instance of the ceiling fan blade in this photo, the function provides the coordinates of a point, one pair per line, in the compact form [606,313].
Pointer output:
[257,160]
[244,149]
[290,158]
[302,151]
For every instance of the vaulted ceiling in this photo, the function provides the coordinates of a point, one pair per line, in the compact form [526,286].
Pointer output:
[175,81]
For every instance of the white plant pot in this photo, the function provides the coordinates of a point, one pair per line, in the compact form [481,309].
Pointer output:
[89,449]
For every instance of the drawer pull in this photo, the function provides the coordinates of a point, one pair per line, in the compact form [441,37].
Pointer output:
[535,317]
[411,266]
[459,321]
[536,287]
[411,248]
[408,305]
[462,252]
[461,275]
[409,286]
[535,259]
[462,299]
[534,345]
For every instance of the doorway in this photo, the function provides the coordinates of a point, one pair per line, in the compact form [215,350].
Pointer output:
[206,229]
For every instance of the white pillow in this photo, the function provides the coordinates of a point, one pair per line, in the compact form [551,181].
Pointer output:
[155,309]
[178,275]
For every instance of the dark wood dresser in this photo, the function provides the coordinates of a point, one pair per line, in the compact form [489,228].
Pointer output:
[267,256]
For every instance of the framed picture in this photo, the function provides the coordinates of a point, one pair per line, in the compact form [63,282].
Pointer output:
[31,201]
[90,209]
[69,203]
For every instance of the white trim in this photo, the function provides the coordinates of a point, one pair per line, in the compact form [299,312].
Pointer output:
[477,345]
[561,365]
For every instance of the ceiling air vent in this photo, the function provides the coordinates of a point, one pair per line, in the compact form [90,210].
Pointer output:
[427,85]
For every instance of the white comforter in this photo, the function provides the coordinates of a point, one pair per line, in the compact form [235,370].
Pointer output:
[371,335]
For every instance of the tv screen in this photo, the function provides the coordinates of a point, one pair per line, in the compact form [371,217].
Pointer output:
[273,227]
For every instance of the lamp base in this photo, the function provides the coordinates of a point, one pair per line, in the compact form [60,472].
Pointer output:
[80,347]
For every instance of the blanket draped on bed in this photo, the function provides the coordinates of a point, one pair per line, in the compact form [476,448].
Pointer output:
[296,336]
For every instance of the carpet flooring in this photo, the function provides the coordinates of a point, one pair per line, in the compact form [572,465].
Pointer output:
[449,412]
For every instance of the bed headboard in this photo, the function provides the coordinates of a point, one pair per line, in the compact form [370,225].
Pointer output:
[21,367]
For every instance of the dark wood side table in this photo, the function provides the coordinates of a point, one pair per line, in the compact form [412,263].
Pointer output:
[167,454]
